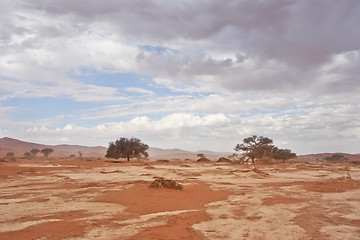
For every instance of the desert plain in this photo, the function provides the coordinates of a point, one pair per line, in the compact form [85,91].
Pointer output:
[78,199]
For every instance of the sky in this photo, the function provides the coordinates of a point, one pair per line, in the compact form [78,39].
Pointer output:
[183,74]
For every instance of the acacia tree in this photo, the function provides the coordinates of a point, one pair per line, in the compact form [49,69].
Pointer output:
[34,151]
[282,154]
[254,147]
[46,151]
[259,148]
[27,155]
[10,155]
[127,148]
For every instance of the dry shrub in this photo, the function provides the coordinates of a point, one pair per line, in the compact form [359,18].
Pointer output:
[114,161]
[223,159]
[162,161]
[185,165]
[161,182]
[203,160]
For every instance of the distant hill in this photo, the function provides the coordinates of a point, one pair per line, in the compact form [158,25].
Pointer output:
[20,147]
[321,156]
[158,153]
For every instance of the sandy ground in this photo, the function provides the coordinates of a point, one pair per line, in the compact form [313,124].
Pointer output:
[78,199]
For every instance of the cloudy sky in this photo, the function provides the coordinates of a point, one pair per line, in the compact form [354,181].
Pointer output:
[184,74]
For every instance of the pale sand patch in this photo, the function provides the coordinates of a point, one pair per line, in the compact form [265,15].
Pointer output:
[32,165]
[16,200]
[147,217]
[255,221]
[95,175]
[12,212]
[242,215]
[133,226]
[307,175]
[342,232]
[6,227]
[104,232]
[352,199]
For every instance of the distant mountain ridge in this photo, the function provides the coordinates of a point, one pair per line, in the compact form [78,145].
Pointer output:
[158,153]
[64,150]
[322,156]
[20,147]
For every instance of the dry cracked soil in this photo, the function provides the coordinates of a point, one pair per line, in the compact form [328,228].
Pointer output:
[79,199]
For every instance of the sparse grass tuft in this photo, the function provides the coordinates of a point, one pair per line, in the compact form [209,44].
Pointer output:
[161,182]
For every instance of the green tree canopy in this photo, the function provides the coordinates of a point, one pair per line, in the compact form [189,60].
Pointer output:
[127,148]
[10,154]
[282,154]
[34,151]
[260,148]
[27,155]
[46,151]
[255,147]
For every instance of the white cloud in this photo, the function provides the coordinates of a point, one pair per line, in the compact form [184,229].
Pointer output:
[139,90]
[219,131]
[172,127]
[288,69]
[281,43]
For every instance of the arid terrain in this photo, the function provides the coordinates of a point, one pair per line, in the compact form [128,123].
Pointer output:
[95,199]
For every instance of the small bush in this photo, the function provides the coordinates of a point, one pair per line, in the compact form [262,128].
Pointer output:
[162,161]
[223,159]
[115,161]
[203,160]
[161,182]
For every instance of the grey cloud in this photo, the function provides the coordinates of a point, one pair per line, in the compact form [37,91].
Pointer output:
[230,74]
[344,76]
[301,32]
[8,25]
[284,68]
[316,30]
[298,36]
